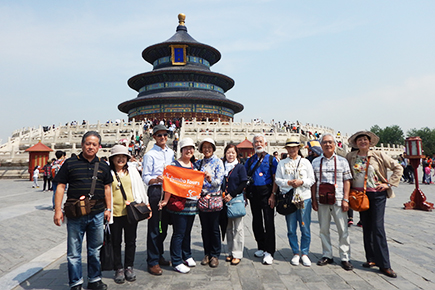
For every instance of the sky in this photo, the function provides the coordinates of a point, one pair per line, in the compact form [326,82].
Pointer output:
[347,65]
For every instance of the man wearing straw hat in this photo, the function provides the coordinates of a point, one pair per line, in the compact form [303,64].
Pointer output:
[154,163]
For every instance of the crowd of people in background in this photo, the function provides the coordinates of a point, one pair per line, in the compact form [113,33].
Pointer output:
[258,180]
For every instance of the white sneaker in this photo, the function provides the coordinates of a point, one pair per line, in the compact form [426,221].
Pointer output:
[306,261]
[268,259]
[295,260]
[182,268]
[190,262]
[259,253]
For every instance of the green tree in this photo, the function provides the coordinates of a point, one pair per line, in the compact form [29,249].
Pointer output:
[427,137]
[389,135]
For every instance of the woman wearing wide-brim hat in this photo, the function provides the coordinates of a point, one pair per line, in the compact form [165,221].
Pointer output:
[296,172]
[131,182]
[378,189]
[213,168]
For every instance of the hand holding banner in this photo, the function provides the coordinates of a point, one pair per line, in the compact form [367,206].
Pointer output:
[182,181]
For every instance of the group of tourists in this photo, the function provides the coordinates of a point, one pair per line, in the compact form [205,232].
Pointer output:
[260,181]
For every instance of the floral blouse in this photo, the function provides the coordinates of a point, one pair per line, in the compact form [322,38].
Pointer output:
[215,166]
[359,171]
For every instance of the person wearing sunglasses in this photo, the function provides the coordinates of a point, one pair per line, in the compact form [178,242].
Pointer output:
[154,163]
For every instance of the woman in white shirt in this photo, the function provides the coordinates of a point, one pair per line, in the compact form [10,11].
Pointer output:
[296,172]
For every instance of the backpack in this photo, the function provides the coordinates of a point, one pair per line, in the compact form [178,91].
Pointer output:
[56,167]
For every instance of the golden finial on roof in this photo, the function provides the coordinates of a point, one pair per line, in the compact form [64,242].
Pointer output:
[181,18]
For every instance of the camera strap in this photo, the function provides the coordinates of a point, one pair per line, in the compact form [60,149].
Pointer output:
[94,180]
[335,170]
[251,171]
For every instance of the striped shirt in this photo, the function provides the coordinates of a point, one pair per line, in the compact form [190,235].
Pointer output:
[77,173]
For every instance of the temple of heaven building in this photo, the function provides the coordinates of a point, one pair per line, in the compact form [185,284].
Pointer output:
[181,83]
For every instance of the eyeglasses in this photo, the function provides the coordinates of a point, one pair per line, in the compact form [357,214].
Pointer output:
[162,135]
[327,142]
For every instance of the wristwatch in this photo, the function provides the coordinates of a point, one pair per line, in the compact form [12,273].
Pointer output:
[108,209]
[346,200]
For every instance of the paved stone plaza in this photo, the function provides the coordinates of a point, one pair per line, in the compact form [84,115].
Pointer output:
[32,252]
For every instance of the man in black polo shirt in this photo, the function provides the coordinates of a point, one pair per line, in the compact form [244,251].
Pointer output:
[77,172]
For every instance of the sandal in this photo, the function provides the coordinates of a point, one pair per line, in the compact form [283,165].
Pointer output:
[235,261]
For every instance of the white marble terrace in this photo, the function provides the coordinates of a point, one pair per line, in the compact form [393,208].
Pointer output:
[68,138]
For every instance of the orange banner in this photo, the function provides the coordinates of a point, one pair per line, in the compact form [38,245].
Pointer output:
[182,182]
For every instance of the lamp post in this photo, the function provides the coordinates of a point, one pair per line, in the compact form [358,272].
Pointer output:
[414,154]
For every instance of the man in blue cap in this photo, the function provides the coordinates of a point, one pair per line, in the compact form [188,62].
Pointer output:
[314,150]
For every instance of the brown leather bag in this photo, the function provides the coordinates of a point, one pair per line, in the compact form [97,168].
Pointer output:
[358,200]
[326,193]
[327,190]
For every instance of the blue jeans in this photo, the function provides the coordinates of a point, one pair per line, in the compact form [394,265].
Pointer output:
[181,238]
[93,225]
[303,217]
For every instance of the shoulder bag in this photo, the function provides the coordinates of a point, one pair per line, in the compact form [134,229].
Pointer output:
[136,212]
[236,206]
[358,200]
[284,204]
[327,190]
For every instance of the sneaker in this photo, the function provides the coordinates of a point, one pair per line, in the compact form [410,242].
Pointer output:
[350,223]
[295,260]
[190,262]
[267,259]
[119,276]
[259,254]
[129,274]
[359,224]
[182,269]
[306,261]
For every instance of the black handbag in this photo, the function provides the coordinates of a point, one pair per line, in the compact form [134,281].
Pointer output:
[106,251]
[136,212]
[284,204]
